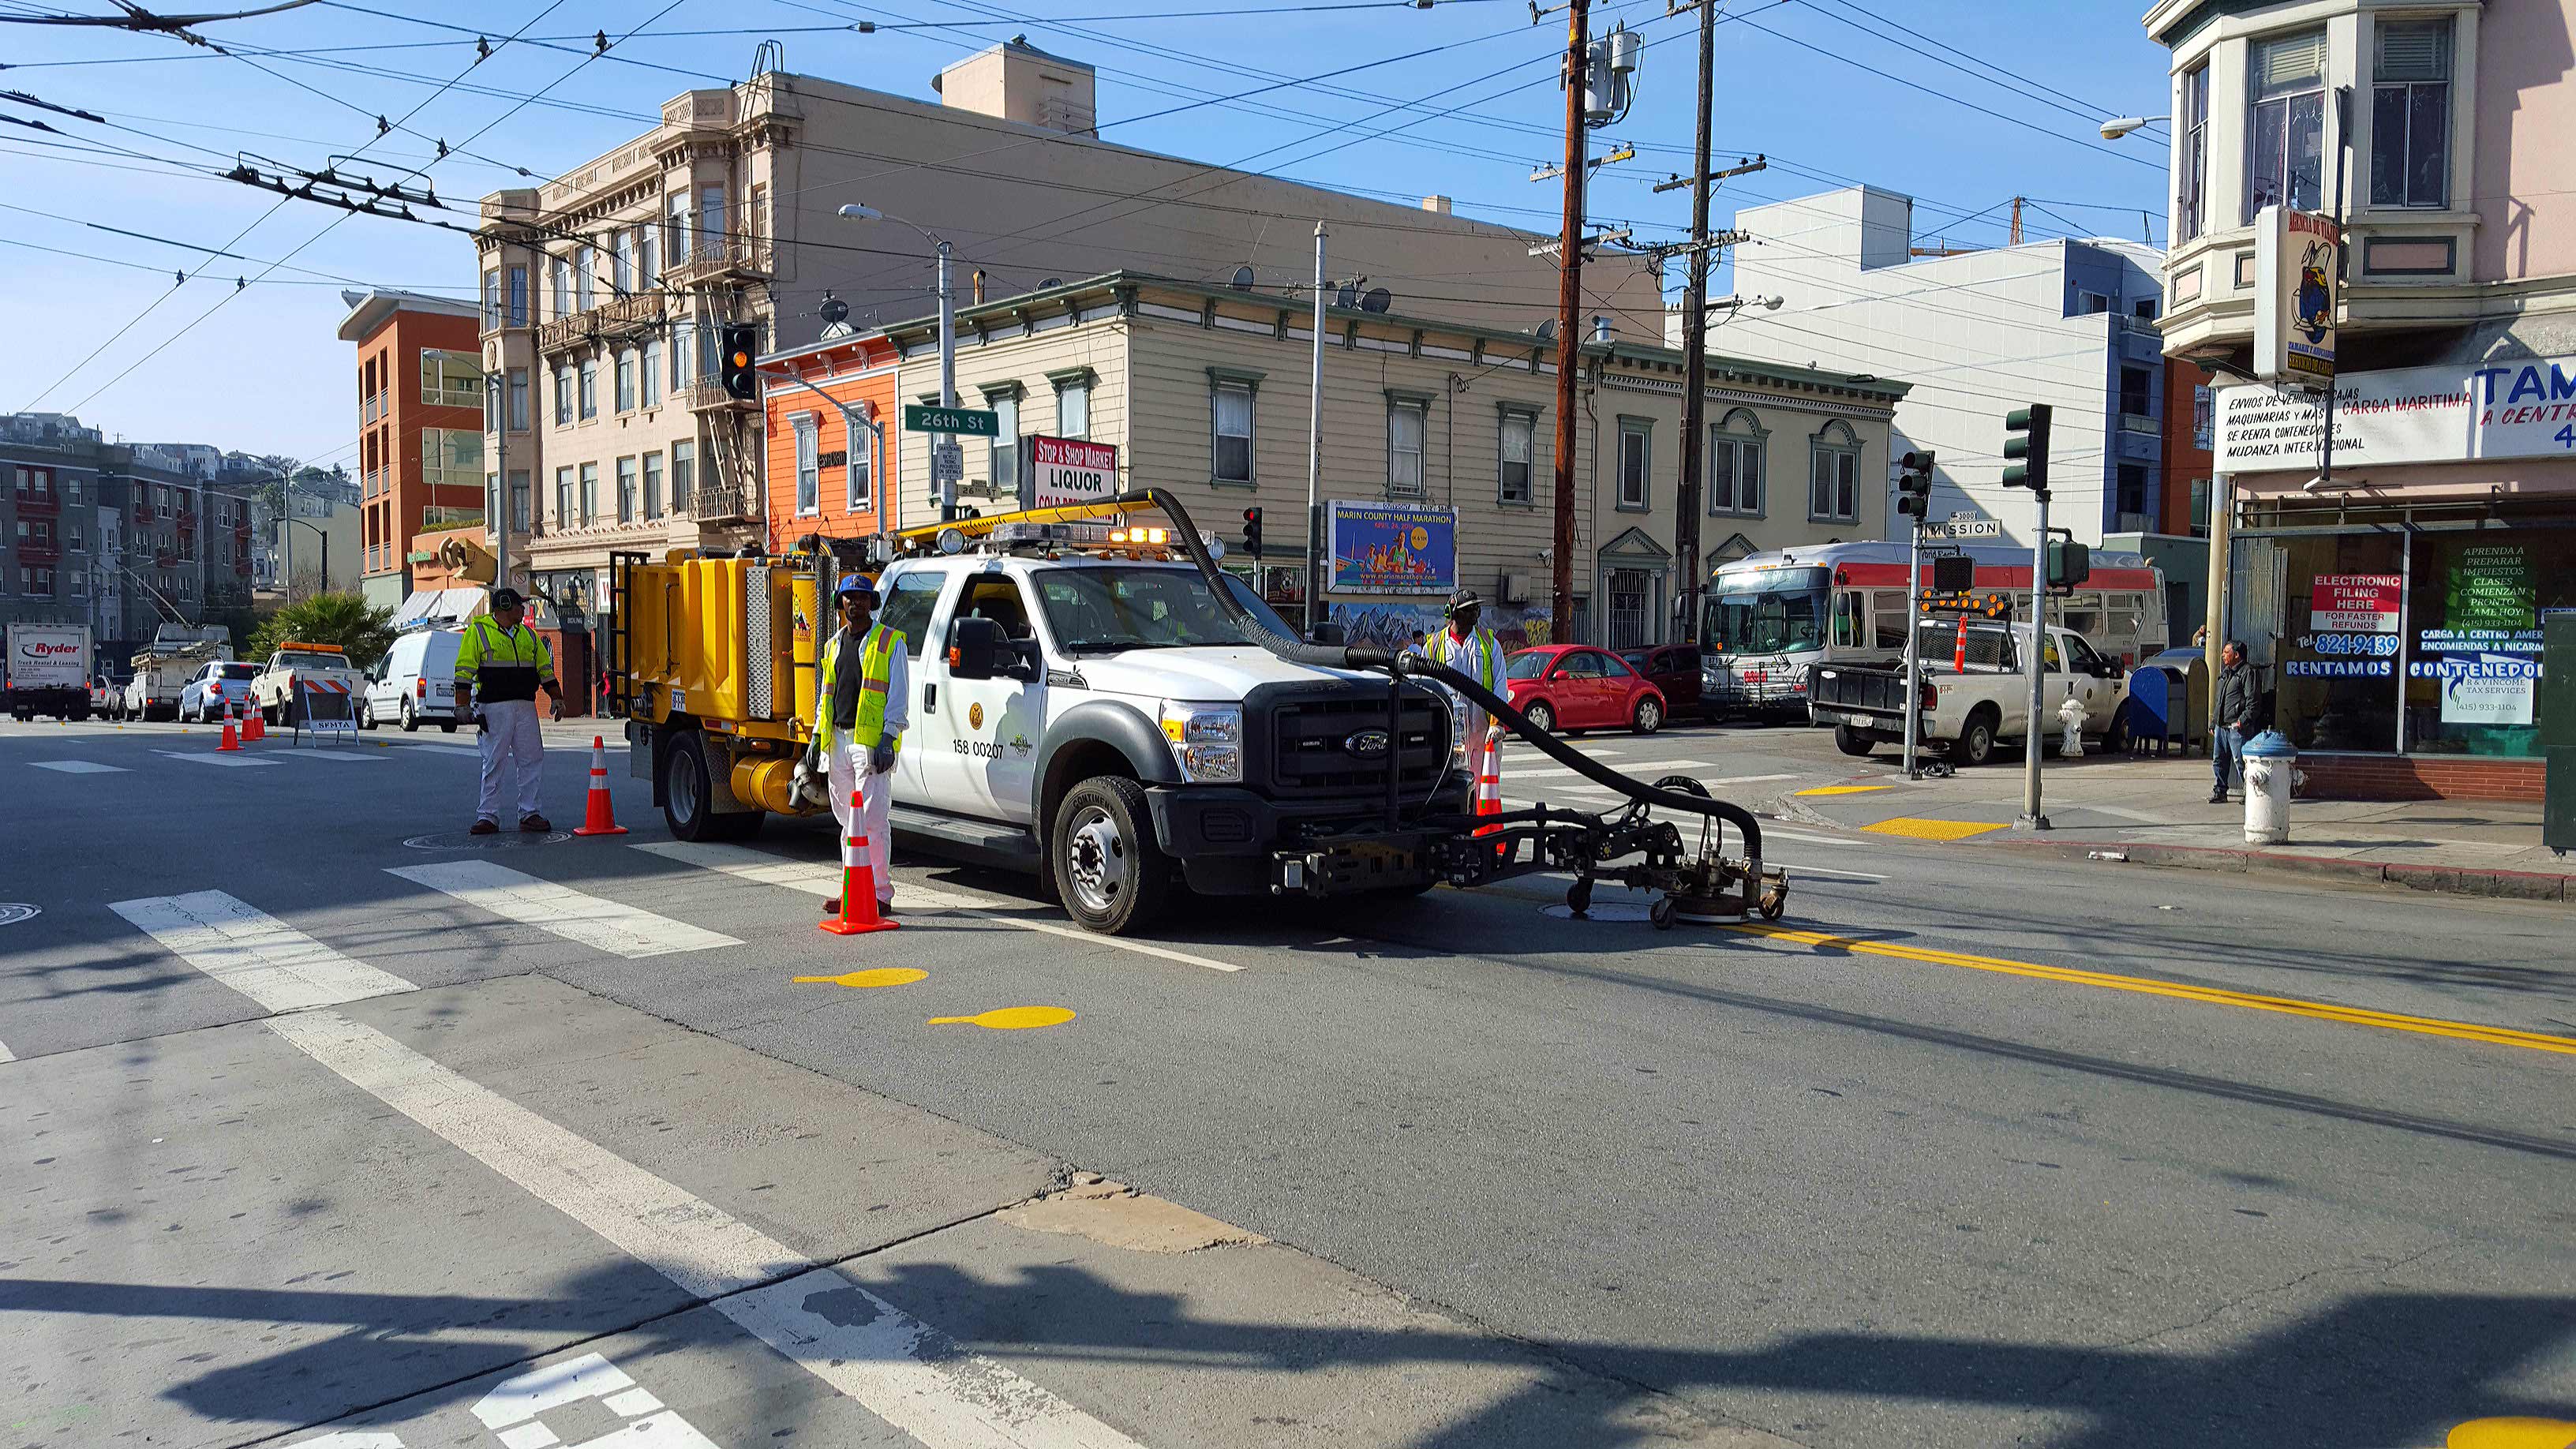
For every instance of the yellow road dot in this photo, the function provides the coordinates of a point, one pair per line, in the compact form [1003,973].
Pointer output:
[1842,789]
[881,976]
[2513,1433]
[1010,1018]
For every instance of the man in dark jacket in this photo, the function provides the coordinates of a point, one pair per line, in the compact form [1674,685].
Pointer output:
[2240,708]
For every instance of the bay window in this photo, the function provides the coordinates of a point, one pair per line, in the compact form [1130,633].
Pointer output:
[2286,133]
[2410,114]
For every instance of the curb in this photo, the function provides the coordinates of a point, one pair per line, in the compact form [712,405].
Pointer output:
[2448,880]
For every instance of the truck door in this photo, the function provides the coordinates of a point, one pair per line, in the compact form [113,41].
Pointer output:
[909,603]
[990,766]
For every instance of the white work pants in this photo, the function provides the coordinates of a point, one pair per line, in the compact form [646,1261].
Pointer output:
[510,737]
[849,765]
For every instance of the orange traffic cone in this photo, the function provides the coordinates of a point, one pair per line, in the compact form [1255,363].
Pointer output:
[1489,790]
[231,741]
[858,881]
[254,725]
[601,820]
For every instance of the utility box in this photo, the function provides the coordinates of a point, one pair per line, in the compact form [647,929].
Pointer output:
[2558,732]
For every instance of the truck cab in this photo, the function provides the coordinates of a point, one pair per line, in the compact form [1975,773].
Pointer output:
[1975,690]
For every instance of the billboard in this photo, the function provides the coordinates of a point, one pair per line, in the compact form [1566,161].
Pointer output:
[2297,263]
[1067,470]
[2522,408]
[1392,548]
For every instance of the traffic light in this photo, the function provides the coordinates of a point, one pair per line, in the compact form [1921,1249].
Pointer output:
[2069,563]
[1953,573]
[2026,439]
[740,344]
[1252,532]
[1914,485]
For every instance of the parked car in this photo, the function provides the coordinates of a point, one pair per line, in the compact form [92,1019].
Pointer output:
[1574,687]
[215,690]
[415,681]
[1974,691]
[1674,669]
[107,695]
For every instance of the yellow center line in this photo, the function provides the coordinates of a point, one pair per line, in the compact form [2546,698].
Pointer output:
[2287,1005]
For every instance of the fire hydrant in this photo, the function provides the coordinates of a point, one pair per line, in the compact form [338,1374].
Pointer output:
[2270,770]
[2070,724]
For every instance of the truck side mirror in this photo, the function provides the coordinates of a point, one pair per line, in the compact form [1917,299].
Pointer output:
[975,645]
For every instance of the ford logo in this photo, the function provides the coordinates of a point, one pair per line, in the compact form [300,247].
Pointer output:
[1366,744]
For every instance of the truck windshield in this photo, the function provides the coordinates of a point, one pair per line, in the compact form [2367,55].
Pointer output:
[1767,611]
[301,659]
[1103,610]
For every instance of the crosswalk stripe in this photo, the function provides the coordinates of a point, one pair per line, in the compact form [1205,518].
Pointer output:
[594,921]
[468,751]
[901,1369]
[229,762]
[255,953]
[335,755]
[824,882]
[4,1053]
[79,767]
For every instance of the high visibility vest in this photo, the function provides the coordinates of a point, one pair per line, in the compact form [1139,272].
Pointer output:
[502,664]
[876,655]
[1479,656]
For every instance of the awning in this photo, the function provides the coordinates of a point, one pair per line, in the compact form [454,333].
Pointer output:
[438,609]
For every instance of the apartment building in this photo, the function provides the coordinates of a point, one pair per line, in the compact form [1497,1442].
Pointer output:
[420,428]
[2395,603]
[602,290]
[1204,390]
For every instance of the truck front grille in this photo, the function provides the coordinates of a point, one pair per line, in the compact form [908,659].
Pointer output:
[1315,745]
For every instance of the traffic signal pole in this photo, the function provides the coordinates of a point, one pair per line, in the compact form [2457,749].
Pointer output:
[2032,731]
[947,382]
[1315,451]
[1913,647]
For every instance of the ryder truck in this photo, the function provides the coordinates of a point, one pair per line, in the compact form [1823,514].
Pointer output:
[48,671]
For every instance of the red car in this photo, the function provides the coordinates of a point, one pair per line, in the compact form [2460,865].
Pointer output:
[1574,687]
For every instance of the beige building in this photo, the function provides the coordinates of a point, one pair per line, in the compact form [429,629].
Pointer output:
[602,288]
[1204,391]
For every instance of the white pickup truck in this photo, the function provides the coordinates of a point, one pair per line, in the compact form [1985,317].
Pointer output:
[1974,691]
[272,692]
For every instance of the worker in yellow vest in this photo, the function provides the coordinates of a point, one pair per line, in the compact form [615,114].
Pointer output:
[862,702]
[1474,652]
[500,665]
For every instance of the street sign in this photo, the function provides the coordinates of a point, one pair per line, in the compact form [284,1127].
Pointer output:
[1068,470]
[973,422]
[947,461]
[1975,528]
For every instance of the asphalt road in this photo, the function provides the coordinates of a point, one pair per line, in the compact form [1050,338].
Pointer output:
[306,1121]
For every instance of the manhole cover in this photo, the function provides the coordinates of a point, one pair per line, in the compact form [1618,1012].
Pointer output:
[12,912]
[506,840]
[1602,912]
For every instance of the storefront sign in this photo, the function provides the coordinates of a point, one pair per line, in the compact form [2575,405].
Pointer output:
[2363,602]
[2296,260]
[2340,668]
[2407,415]
[1393,548]
[2376,646]
[2490,588]
[1068,470]
[2482,689]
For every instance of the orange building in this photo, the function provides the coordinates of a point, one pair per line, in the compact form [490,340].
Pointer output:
[420,426]
[820,479]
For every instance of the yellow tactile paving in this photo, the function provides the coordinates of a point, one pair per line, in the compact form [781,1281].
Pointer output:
[1912,828]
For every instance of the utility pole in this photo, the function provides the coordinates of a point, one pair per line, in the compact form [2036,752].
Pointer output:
[1686,504]
[496,386]
[1315,453]
[1569,309]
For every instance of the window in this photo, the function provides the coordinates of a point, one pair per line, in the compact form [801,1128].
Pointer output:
[1636,455]
[589,494]
[2285,142]
[2133,494]
[1404,429]
[589,388]
[451,457]
[675,233]
[519,500]
[652,485]
[684,341]
[1833,461]
[77,538]
[651,378]
[1518,431]
[1230,429]
[563,397]
[491,299]
[2137,391]
[1734,469]
[647,263]
[626,499]
[559,273]
[585,261]
[2145,309]
[684,472]
[908,604]
[711,221]
[626,381]
[2410,114]
[564,515]
[1073,407]
[808,485]
[2192,186]
[519,295]
[2204,415]
[621,262]
[1005,451]
[518,399]
[861,479]
[451,379]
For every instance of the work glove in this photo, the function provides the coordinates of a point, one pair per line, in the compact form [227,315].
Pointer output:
[881,759]
[555,711]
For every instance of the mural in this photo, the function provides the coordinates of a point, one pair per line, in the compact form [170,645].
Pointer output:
[1518,626]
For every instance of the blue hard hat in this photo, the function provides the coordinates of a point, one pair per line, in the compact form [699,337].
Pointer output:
[857,584]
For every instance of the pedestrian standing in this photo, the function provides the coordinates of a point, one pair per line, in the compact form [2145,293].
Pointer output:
[500,666]
[2240,707]
[862,693]
[1473,651]
[1420,641]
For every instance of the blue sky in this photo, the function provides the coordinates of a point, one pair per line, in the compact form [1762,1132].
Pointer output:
[1798,80]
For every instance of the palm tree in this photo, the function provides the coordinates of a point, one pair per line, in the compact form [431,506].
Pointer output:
[348,620]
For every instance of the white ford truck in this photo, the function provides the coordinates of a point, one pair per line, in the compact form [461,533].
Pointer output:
[1975,691]
[272,691]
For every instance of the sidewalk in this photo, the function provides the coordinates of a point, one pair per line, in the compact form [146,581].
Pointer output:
[2157,812]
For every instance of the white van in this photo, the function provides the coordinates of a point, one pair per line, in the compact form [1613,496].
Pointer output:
[415,681]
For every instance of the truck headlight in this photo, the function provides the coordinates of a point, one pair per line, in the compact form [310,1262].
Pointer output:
[1206,740]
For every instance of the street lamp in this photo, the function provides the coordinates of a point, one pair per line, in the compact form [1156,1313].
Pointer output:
[2113,130]
[947,340]
[326,553]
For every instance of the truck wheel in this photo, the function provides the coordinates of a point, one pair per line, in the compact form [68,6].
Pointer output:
[1853,742]
[1113,876]
[1977,740]
[685,789]
[1649,717]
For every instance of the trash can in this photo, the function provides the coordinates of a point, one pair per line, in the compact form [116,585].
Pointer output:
[2270,761]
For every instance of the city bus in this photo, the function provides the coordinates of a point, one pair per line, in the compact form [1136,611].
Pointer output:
[1772,617]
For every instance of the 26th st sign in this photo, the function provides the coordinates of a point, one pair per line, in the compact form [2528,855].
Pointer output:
[972,422]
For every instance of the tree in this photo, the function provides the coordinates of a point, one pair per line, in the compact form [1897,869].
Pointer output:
[348,620]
